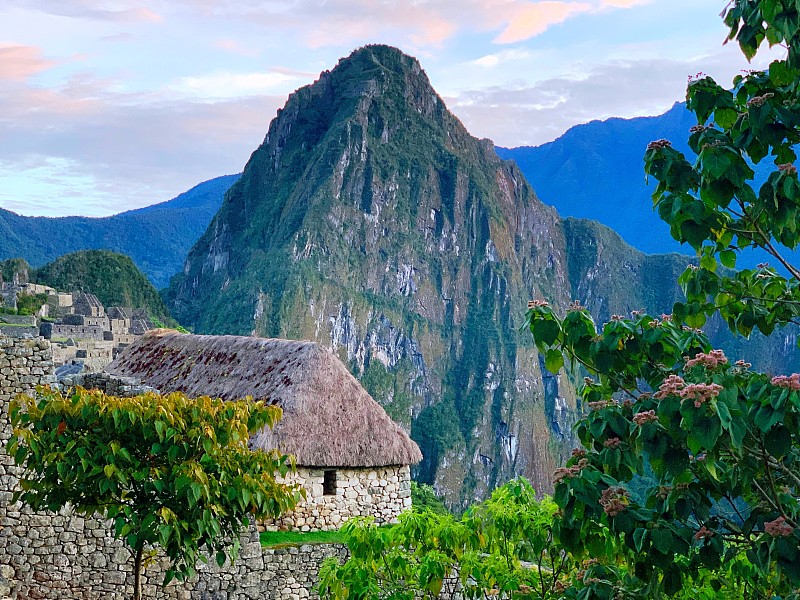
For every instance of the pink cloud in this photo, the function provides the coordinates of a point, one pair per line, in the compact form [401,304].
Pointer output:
[229,45]
[532,19]
[20,62]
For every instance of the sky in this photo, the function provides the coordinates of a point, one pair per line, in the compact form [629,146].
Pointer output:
[110,105]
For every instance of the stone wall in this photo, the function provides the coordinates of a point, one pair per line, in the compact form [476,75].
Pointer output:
[64,556]
[384,493]
[86,332]
[18,331]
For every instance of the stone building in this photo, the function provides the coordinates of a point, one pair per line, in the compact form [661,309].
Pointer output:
[353,460]
[87,305]
[66,556]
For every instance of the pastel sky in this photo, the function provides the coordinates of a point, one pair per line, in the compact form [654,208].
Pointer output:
[109,105]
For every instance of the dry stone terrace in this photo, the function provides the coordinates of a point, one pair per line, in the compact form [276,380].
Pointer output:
[62,556]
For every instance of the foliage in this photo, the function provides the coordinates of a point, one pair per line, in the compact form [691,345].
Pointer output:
[156,237]
[424,499]
[500,548]
[29,304]
[169,471]
[112,277]
[693,461]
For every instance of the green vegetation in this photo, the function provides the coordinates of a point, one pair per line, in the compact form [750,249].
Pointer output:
[272,539]
[156,237]
[29,304]
[14,267]
[169,472]
[424,499]
[688,481]
[501,548]
[112,277]
[690,459]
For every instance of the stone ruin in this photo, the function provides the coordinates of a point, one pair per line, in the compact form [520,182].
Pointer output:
[82,331]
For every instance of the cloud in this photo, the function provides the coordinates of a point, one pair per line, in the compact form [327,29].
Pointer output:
[537,113]
[20,62]
[623,3]
[125,11]
[232,85]
[498,58]
[229,45]
[137,149]
[533,19]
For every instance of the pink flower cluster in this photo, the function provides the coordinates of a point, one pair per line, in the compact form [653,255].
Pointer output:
[712,360]
[674,385]
[778,528]
[575,305]
[647,416]
[599,405]
[612,442]
[671,386]
[791,382]
[700,392]
[537,303]
[578,452]
[703,533]
[658,144]
[614,500]
[563,473]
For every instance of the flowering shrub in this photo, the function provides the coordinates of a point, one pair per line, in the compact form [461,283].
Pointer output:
[692,461]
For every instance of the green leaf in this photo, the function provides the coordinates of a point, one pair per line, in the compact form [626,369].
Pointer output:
[725,117]
[553,360]
[704,433]
[728,258]
[778,441]
[546,331]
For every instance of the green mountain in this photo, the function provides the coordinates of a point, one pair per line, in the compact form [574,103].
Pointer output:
[371,221]
[156,237]
[112,277]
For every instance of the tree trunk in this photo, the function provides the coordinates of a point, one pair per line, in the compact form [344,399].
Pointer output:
[137,574]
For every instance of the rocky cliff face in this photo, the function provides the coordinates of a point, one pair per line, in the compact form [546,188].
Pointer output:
[371,221]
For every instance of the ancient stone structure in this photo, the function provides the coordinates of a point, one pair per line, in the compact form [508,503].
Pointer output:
[353,459]
[63,556]
[335,495]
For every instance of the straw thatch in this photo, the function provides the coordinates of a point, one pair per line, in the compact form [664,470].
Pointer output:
[329,420]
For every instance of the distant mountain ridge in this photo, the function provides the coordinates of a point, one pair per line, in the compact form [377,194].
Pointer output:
[156,237]
[596,171]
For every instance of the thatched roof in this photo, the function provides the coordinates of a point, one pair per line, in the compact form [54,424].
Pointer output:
[329,420]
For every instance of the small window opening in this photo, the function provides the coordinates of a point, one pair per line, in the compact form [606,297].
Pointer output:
[329,483]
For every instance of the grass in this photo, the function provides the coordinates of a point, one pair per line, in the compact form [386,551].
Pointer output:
[277,539]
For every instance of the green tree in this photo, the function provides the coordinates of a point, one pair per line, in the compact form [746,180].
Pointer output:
[501,548]
[691,459]
[168,471]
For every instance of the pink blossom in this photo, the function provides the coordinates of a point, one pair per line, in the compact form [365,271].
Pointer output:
[614,500]
[612,442]
[671,386]
[792,382]
[700,392]
[647,416]
[712,360]
[778,528]
[703,533]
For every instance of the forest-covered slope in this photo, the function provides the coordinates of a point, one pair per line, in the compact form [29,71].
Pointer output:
[156,237]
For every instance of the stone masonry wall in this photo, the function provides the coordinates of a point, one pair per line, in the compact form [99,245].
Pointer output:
[384,493]
[47,556]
